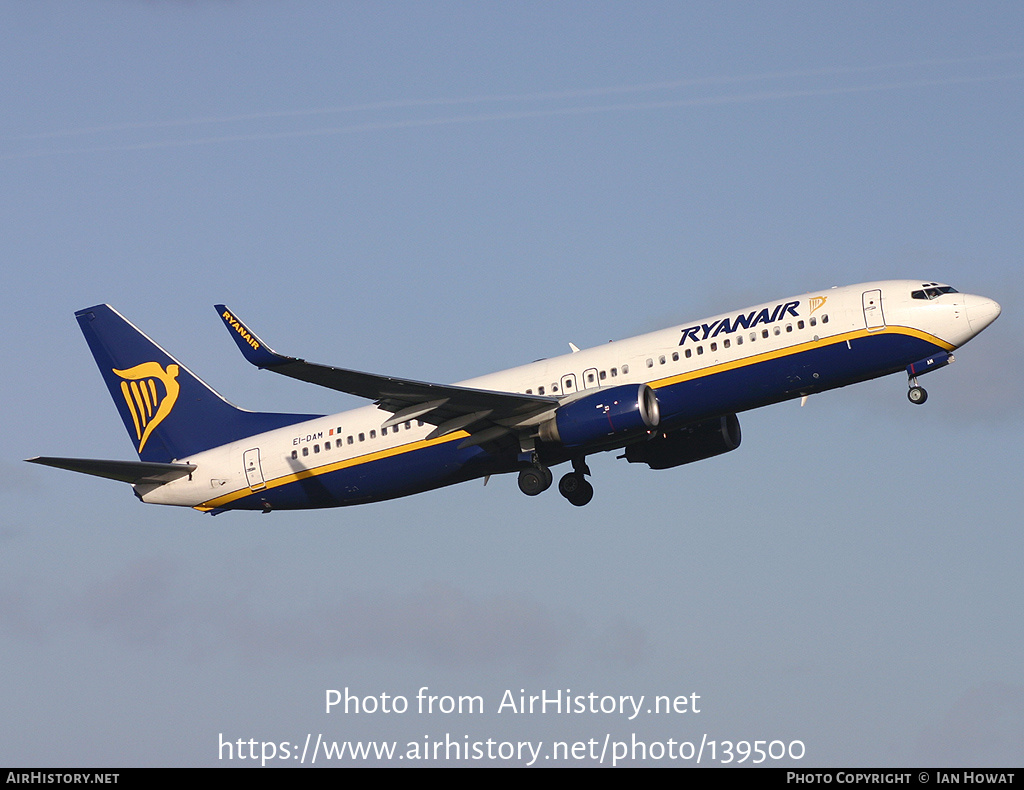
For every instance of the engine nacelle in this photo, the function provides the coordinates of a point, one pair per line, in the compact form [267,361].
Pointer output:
[604,418]
[683,446]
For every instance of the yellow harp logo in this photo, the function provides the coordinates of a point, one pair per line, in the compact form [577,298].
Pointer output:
[146,404]
[817,301]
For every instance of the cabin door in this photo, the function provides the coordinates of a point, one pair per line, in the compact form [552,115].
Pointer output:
[873,317]
[253,470]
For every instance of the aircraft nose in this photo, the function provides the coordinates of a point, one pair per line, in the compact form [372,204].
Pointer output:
[981,311]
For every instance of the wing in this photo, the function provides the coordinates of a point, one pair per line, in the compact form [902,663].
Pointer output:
[486,415]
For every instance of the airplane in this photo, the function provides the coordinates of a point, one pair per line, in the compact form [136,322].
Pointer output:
[664,399]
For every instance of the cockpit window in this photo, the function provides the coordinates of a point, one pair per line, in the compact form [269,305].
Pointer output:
[932,291]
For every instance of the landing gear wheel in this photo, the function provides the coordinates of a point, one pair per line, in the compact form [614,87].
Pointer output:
[917,395]
[534,480]
[576,489]
[570,484]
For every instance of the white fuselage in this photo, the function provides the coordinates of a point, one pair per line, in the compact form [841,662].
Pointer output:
[742,340]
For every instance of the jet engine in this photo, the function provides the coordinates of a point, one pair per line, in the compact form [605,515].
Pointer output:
[685,445]
[608,416]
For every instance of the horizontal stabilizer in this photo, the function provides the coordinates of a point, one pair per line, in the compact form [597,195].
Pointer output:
[126,471]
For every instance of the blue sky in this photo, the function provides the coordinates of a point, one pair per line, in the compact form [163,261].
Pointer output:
[441,190]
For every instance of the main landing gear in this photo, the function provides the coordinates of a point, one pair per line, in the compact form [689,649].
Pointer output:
[916,394]
[574,486]
[534,479]
[576,489]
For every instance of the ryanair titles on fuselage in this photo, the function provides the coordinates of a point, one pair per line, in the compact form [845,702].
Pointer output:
[741,321]
[235,324]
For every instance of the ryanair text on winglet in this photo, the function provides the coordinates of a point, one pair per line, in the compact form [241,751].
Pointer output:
[237,325]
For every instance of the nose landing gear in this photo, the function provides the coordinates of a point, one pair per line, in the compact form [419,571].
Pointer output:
[917,395]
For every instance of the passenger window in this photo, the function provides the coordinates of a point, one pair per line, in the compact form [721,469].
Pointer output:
[373,434]
[764,333]
[800,324]
[675,356]
[625,369]
[700,350]
[362,437]
[602,375]
[688,353]
[295,453]
[615,372]
[814,321]
[777,331]
[725,343]
[714,346]
[305,451]
[338,443]
[789,327]
[661,360]
[316,448]
[739,340]
[351,440]
[824,319]
[540,390]
[650,362]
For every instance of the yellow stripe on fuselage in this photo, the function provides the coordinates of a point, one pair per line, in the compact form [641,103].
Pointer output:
[315,471]
[778,353]
[668,381]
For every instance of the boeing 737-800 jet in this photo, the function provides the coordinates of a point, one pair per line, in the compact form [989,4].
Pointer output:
[665,399]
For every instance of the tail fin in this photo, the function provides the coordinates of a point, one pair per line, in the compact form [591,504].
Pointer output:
[168,411]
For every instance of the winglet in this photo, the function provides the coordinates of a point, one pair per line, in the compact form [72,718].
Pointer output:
[253,349]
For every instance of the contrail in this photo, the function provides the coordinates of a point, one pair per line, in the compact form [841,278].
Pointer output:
[516,97]
[508,115]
